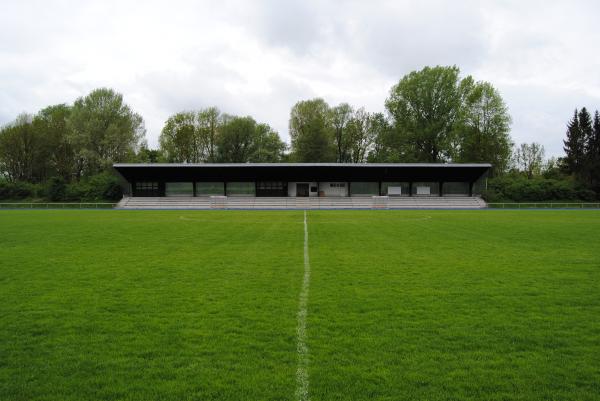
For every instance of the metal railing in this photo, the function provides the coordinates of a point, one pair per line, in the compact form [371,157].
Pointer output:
[56,205]
[544,205]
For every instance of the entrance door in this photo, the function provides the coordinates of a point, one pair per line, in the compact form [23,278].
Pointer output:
[302,190]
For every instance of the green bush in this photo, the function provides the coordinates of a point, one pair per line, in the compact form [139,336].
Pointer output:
[515,188]
[56,189]
[100,187]
[19,190]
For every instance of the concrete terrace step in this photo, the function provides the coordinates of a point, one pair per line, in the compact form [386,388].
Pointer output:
[363,202]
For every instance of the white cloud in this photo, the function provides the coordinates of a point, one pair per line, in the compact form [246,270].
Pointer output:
[258,58]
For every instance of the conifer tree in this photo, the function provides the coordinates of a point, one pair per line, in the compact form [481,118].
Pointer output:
[593,152]
[587,133]
[574,145]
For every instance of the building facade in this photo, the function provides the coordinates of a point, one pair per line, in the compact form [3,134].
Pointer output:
[303,179]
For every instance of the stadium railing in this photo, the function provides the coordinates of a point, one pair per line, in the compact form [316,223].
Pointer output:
[544,205]
[53,205]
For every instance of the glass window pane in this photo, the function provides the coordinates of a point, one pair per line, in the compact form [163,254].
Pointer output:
[179,189]
[240,188]
[456,188]
[364,188]
[210,188]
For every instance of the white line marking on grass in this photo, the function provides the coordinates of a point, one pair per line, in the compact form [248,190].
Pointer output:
[302,349]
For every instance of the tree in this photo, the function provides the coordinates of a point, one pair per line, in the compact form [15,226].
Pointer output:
[574,145]
[209,122]
[361,136]
[147,155]
[236,140]
[483,132]
[593,152]
[340,117]
[389,146]
[267,147]
[424,107]
[52,124]
[104,130]
[529,159]
[310,132]
[22,151]
[180,139]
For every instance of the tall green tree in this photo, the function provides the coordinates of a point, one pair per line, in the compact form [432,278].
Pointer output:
[180,139]
[267,146]
[424,107]
[209,122]
[310,131]
[483,129]
[147,155]
[340,117]
[22,151]
[593,153]
[529,159]
[361,136]
[236,140]
[574,146]
[389,146]
[104,130]
[52,124]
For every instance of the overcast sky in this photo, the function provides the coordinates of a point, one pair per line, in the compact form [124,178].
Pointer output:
[259,57]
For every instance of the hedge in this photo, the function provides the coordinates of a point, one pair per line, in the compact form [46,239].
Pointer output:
[537,189]
[101,187]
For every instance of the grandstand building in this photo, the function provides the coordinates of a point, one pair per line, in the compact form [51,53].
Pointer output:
[303,180]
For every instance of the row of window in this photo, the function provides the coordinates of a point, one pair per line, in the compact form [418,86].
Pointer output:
[356,188]
[146,186]
[271,185]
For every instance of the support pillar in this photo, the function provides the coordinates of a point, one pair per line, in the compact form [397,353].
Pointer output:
[225,188]
[410,188]
[441,188]
[471,188]
[380,194]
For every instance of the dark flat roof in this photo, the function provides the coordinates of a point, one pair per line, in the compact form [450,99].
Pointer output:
[278,165]
[302,171]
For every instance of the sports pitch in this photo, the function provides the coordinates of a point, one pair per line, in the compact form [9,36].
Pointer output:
[224,305]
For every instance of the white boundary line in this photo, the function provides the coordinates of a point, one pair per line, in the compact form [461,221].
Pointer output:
[301,347]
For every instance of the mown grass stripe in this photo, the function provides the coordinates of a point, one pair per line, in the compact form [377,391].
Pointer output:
[302,349]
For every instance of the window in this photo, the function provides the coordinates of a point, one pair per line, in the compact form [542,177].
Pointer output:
[146,186]
[456,188]
[364,188]
[337,185]
[269,185]
[209,188]
[179,189]
[240,188]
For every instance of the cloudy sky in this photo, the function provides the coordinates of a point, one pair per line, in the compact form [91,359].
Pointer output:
[259,57]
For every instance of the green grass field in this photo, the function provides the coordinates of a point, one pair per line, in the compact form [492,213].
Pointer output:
[402,305]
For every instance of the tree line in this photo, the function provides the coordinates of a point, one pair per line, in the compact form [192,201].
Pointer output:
[210,136]
[431,115]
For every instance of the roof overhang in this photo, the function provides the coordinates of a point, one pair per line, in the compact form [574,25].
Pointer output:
[302,171]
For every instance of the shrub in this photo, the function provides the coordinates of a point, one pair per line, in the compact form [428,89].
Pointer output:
[56,189]
[517,188]
[99,187]
[19,190]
